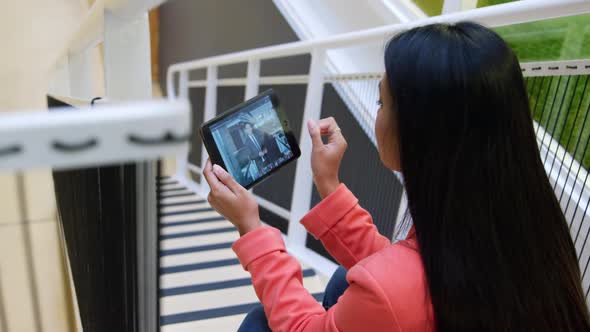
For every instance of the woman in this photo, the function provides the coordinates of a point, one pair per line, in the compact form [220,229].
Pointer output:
[494,249]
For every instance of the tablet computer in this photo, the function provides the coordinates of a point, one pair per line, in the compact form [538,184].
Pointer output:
[251,140]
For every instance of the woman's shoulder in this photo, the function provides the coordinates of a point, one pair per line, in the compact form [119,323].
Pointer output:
[398,271]
[398,265]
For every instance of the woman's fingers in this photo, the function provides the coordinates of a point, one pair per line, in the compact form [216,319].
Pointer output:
[209,176]
[326,127]
[217,187]
[329,127]
[325,162]
[227,179]
[314,132]
[241,210]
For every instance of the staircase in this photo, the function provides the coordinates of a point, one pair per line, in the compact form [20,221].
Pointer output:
[203,287]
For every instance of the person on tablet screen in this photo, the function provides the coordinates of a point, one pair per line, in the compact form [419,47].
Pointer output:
[257,143]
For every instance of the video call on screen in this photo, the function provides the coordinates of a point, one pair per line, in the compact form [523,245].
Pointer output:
[252,141]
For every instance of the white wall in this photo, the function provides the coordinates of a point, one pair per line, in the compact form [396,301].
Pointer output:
[33,33]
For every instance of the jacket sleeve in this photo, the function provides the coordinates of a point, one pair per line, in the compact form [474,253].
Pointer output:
[277,279]
[345,229]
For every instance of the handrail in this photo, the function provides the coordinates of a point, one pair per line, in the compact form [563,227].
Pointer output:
[494,16]
[93,135]
[284,79]
[529,69]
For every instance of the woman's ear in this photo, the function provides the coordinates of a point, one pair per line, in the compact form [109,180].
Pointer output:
[386,129]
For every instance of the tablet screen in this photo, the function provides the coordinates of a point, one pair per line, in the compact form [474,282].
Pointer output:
[252,141]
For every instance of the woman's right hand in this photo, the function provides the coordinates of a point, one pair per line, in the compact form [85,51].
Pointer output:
[326,158]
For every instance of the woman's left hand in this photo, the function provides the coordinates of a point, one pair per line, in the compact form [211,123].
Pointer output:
[231,200]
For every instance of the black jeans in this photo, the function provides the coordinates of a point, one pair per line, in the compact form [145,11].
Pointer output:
[256,320]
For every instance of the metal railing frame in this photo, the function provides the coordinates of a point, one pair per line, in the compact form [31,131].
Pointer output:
[494,16]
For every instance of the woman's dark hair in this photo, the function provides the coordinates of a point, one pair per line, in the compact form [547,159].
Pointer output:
[495,244]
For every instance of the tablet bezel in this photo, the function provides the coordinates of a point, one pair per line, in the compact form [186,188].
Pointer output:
[213,151]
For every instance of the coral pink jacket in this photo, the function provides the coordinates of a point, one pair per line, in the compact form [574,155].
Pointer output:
[387,289]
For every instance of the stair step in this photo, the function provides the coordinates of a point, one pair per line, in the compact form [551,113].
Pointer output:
[216,312]
[203,287]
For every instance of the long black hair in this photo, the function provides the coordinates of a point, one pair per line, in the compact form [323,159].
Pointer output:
[495,245]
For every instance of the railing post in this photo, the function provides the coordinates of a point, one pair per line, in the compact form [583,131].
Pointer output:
[170,91]
[301,200]
[453,6]
[209,113]
[183,84]
[182,158]
[252,79]
[128,76]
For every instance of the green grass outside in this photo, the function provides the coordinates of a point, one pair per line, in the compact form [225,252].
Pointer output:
[485,3]
[434,7]
[560,105]
[430,7]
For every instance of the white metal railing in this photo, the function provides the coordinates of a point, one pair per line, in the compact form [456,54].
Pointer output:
[93,135]
[88,136]
[494,16]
